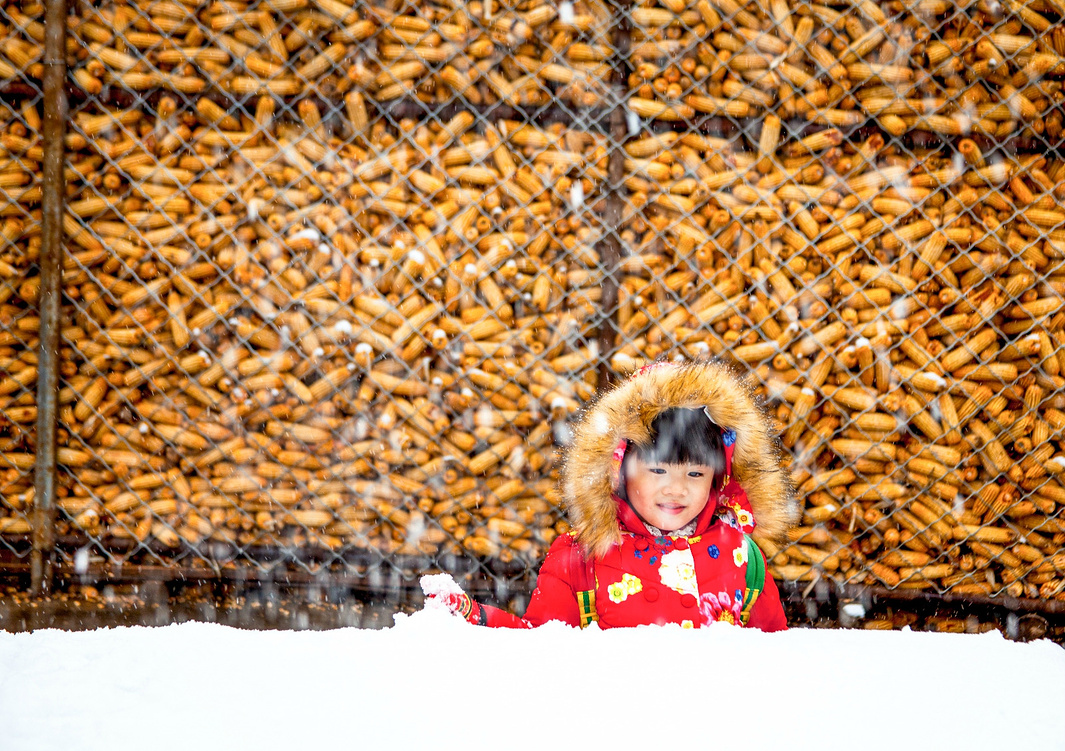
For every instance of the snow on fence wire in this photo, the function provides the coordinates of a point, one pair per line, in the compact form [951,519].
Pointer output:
[338,277]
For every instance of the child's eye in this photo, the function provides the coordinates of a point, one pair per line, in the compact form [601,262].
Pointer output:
[695,473]
[657,471]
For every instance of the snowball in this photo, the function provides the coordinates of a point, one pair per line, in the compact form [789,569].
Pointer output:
[342,327]
[565,12]
[437,381]
[470,269]
[318,352]
[323,248]
[861,341]
[439,584]
[417,257]
[362,348]
[807,391]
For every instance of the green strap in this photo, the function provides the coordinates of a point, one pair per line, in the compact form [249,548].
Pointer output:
[586,607]
[755,577]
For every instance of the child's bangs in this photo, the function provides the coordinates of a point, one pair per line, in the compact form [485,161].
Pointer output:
[684,436]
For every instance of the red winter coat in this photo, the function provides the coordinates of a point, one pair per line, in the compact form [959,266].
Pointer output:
[651,580]
[611,568]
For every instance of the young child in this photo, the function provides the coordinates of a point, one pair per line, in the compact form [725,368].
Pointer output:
[663,483]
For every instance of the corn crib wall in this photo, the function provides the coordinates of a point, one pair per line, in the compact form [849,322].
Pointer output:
[296,288]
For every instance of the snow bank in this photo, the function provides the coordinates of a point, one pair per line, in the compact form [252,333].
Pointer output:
[434,682]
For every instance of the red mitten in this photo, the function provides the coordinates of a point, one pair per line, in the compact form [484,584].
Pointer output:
[441,588]
[459,604]
[720,608]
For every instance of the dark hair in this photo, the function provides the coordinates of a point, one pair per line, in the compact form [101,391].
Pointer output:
[682,436]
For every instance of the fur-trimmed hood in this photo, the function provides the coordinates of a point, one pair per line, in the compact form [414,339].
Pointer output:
[626,412]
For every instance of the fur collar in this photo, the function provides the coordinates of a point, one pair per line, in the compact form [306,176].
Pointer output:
[628,410]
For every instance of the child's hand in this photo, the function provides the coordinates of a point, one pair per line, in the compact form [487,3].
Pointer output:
[720,608]
[442,591]
[459,604]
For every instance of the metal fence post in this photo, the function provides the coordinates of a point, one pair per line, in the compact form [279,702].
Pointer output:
[611,249]
[52,196]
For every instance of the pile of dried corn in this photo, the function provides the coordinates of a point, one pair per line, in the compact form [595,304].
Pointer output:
[294,321]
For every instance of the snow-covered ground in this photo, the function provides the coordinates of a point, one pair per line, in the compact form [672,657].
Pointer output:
[433,682]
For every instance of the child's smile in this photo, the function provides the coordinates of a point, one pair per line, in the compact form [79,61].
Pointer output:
[668,496]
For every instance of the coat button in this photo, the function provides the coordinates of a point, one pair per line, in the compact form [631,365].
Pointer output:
[650,594]
[688,600]
[642,544]
[680,543]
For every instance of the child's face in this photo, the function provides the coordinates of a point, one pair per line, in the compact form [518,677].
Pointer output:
[667,496]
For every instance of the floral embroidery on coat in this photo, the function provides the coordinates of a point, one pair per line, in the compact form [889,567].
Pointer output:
[727,516]
[721,608]
[739,555]
[677,572]
[736,515]
[620,591]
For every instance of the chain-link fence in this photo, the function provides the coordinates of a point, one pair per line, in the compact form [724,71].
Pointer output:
[20,226]
[337,278]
